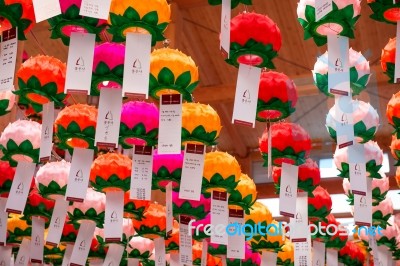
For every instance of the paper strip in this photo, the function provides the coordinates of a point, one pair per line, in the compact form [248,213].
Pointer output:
[133,262]
[108,118]
[299,224]
[397,57]
[338,66]
[268,258]
[331,257]
[37,240]
[236,242]
[57,222]
[363,207]
[357,169]
[114,255]
[245,107]
[174,260]
[5,255]
[3,222]
[141,176]
[80,63]
[67,255]
[82,244]
[344,121]
[46,9]
[322,8]
[78,179]
[269,151]
[20,187]
[225,38]
[204,253]
[23,255]
[114,214]
[137,65]
[8,58]
[288,190]
[170,126]
[185,241]
[168,204]
[192,172]
[318,253]
[95,8]
[159,250]
[302,253]
[46,141]
[219,217]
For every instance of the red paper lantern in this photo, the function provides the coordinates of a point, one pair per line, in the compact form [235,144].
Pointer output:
[320,204]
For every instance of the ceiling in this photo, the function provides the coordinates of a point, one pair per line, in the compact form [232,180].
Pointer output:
[195,31]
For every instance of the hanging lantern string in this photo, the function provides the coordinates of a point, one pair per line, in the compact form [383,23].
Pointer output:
[105,36]
[269,150]
[38,44]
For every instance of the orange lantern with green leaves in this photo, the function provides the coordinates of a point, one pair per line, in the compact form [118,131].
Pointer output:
[153,223]
[19,14]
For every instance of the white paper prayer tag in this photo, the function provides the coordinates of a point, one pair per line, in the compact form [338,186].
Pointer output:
[95,8]
[170,126]
[245,107]
[23,255]
[82,244]
[397,57]
[114,255]
[114,215]
[20,187]
[78,179]
[37,240]
[168,205]
[159,250]
[344,121]
[299,224]
[192,172]
[357,169]
[236,242]
[322,8]
[302,253]
[288,190]
[318,257]
[5,255]
[338,66]
[67,254]
[268,258]
[174,260]
[383,255]
[185,241]
[331,257]
[3,222]
[363,206]
[137,65]
[269,169]
[57,222]
[46,143]
[46,9]
[225,38]
[8,58]
[204,253]
[133,262]
[219,217]
[108,118]
[80,63]
[141,176]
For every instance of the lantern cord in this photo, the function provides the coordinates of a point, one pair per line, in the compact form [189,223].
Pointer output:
[38,44]
[104,33]
[269,150]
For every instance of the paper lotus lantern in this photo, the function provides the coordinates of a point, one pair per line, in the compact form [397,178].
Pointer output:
[200,124]
[393,113]
[244,195]
[251,258]
[41,80]
[273,240]
[380,188]
[320,204]
[395,149]
[359,73]
[153,224]
[388,59]
[30,114]
[51,179]
[384,11]
[7,101]
[150,17]
[17,229]
[70,21]
[221,172]
[6,178]
[167,168]
[53,254]
[286,255]
[20,141]
[140,247]
[308,178]
[97,251]
[75,127]
[36,205]
[340,21]
[277,97]
[365,118]
[193,208]
[69,233]
[134,209]
[139,124]
[255,40]
[373,158]
[234,4]
[108,67]
[382,213]
[290,144]
[17,13]
[330,236]
[111,172]
[172,240]
[172,72]
[389,235]
[92,209]
[351,254]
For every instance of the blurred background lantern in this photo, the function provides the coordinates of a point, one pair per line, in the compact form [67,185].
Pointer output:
[384,11]
[7,101]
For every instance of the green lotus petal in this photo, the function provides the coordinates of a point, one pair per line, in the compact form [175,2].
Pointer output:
[26,146]
[166,77]
[73,128]
[72,12]
[184,79]
[11,145]
[151,18]
[102,68]
[118,70]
